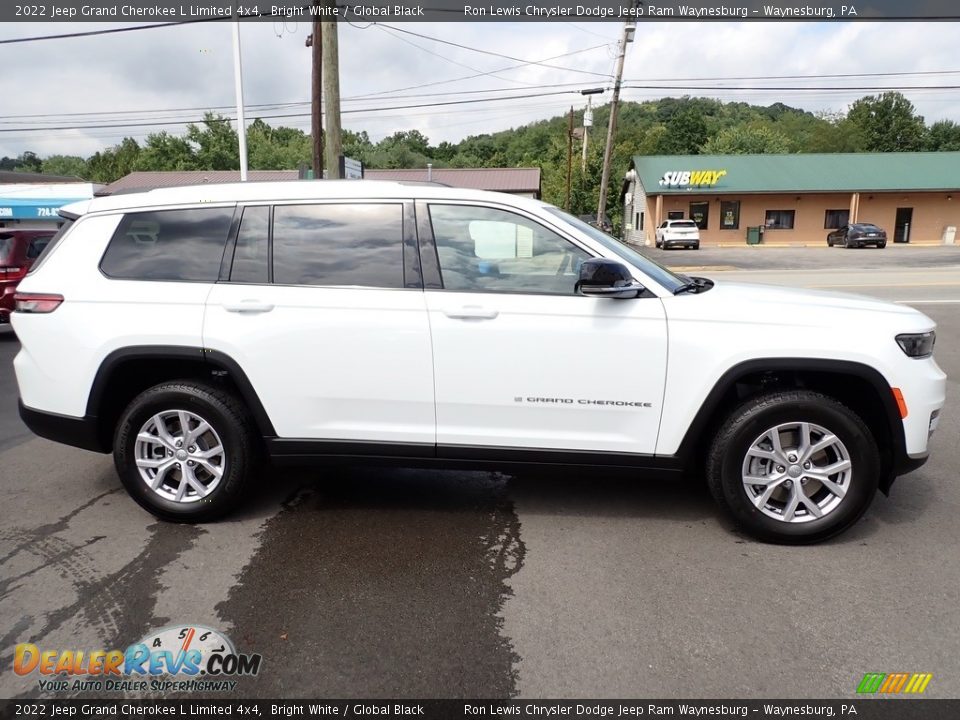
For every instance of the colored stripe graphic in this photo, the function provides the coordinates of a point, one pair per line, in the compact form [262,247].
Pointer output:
[893,683]
[871,682]
[918,682]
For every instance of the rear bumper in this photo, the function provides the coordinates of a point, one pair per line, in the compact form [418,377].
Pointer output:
[78,432]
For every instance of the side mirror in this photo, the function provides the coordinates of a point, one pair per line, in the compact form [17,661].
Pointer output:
[601,277]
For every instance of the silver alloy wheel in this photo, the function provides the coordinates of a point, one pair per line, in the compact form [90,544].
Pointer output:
[797,472]
[180,456]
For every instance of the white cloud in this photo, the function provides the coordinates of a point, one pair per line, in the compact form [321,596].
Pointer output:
[191,67]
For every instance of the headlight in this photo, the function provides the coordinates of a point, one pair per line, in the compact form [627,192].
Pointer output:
[917,345]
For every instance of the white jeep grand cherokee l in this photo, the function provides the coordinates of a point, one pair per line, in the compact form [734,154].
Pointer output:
[195,332]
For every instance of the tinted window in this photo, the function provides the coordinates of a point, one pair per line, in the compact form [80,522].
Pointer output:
[659,273]
[779,219]
[730,215]
[483,249]
[683,224]
[6,248]
[250,261]
[700,214]
[169,245]
[48,247]
[834,219]
[37,246]
[355,244]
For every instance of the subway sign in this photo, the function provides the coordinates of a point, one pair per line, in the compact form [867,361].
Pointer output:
[691,178]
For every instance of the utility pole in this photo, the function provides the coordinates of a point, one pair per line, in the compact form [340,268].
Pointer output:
[316,91]
[629,28]
[333,149]
[587,124]
[569,157]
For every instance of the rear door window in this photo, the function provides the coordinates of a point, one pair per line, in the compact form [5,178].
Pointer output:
[179,245]
[251,261]
[349,244]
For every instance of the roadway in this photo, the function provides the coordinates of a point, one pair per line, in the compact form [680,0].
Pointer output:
[405,583]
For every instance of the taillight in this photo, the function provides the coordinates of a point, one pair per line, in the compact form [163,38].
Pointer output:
[36,302]
[12,273]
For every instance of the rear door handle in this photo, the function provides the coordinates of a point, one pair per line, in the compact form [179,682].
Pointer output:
[248,306]
[471,312]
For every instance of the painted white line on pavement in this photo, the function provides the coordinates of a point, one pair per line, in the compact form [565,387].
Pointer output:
[927,302]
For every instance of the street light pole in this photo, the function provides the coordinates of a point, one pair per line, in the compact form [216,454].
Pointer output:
[629,28]
[238,81]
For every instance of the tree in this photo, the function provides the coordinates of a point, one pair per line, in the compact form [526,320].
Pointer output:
[943,135]
[888,123]
[29,162]
[216,146]
[113,163]
[277,148]
[686,133]
[750,140]
[66,165]
[166,152]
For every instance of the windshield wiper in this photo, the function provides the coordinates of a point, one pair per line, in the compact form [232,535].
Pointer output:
[694,285]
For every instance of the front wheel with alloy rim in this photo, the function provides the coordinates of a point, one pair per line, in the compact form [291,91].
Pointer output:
[794,467]
[185,451]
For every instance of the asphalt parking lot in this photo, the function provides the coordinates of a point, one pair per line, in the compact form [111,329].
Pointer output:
[404,583]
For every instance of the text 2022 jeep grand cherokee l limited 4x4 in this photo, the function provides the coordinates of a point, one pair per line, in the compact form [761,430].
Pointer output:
[194,332]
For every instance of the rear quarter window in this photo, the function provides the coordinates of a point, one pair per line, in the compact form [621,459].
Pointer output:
[45,248]
[179,245]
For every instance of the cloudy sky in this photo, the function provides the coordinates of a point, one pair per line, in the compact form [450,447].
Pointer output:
[174,73]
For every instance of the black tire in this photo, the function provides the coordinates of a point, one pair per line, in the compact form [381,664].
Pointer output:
[881,246]
[724,466]
[697,246]
[829,241]
[226,415]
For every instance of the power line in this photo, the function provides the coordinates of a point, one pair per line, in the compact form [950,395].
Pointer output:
[491,52]
[110,31]
[394,35]
[293,115]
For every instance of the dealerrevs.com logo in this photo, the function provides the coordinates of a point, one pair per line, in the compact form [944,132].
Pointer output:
[176,659]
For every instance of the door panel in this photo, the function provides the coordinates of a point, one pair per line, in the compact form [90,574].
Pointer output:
[329,362]
[522,361]
[548,372]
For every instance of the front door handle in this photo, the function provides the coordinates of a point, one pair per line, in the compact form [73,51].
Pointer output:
[248,306]
[471,312]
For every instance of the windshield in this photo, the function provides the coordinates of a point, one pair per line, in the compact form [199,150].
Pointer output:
[667,279]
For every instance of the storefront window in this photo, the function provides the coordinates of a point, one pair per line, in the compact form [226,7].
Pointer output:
[700,214]
[780,219]
[834,219]
[730,215]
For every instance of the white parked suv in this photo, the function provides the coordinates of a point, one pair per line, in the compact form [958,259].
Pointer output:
[198,332]
[678,233]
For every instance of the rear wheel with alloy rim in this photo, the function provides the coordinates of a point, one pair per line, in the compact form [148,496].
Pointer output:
[185,451]
[794,467]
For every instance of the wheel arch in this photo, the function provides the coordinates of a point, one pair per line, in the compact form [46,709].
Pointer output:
[860,387]
[126,372]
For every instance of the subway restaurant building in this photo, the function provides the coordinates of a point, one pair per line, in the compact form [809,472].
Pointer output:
[796,199]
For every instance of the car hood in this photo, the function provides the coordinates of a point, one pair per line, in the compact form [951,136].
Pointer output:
[779,305]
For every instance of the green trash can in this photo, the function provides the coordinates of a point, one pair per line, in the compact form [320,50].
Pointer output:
[754,235]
